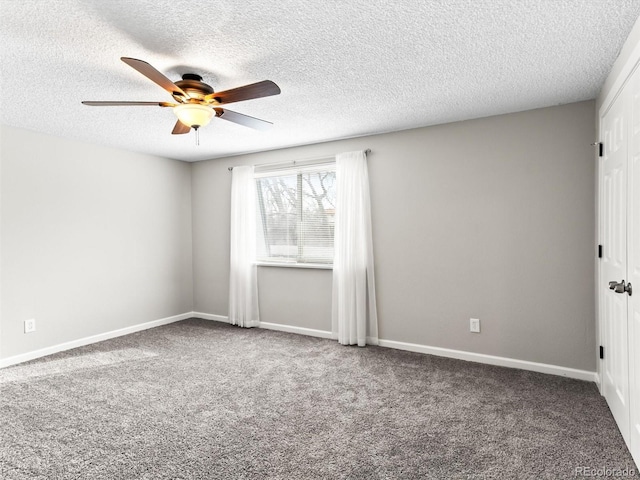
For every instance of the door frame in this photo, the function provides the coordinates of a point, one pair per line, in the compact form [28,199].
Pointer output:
[629,68]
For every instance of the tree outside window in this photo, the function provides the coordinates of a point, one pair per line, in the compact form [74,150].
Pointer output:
[296,214]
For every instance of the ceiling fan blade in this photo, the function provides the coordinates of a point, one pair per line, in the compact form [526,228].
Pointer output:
[180,128]
[154,75]
[242,119]
[129,104]
[266,88]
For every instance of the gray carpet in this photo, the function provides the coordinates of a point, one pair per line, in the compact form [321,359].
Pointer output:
[204,400]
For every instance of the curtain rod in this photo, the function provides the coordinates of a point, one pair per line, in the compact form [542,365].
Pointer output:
[294,162]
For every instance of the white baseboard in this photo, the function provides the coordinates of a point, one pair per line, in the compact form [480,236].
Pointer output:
[493,360]
[81,342]
[411,347]
[440,352]
[209,316]
[269,326]
[299,330]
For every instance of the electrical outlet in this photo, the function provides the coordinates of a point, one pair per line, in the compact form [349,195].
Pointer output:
[30,325]
[474,325]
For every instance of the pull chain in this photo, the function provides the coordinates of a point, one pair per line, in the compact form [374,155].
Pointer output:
[197,135]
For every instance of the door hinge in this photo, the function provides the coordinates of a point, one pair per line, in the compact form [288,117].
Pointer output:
[601,352]
[599,251]
[600,148]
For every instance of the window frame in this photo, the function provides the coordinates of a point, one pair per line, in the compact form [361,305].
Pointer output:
[298,169]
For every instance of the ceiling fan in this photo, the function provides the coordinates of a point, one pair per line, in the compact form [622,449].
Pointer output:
[196,103]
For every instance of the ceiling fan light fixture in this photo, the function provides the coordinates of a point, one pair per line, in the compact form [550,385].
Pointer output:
[194,115]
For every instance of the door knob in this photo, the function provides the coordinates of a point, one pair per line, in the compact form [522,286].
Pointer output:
[621,287]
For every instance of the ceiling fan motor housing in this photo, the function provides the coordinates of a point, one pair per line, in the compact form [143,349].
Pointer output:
[193,86]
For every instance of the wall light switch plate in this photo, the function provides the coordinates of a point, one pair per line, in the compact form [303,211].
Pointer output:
[474,325]
[30,325]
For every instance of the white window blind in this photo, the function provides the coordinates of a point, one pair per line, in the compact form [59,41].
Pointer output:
[296,212]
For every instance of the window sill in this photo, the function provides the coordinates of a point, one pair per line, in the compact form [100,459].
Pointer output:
[318,266]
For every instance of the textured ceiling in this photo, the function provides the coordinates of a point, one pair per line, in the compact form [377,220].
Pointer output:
[345,68]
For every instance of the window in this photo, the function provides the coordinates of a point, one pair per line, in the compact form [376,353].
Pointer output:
[296,210]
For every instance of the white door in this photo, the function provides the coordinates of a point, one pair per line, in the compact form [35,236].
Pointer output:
[615,381]
[633,263]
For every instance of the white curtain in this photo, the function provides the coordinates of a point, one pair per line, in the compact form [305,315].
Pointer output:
[243,281]
[354,313]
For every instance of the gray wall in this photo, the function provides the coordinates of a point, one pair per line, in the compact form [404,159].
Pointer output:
[93,239]
[490,218]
